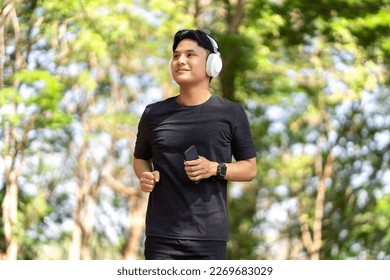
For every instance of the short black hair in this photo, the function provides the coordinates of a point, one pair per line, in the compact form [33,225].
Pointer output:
[198,36]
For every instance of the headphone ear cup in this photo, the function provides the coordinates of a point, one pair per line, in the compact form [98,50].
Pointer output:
[170,69]
[213,65]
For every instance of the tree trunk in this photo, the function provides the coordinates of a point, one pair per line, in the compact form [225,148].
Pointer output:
[85,204]
[84,220]
[137,210]
[233,17]
[10,210]
[313,241]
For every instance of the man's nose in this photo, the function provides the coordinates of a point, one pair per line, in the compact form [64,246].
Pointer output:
[181,59]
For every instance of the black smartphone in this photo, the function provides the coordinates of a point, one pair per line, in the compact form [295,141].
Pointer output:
[191,154]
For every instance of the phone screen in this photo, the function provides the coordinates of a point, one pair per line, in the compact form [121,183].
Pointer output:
[191,153]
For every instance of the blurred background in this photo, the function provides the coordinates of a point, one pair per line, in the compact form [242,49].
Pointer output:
[313,76]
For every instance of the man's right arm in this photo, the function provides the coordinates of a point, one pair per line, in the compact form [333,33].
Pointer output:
[147,177]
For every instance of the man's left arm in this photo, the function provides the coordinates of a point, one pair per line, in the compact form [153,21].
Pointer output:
[240,171]
[243,170]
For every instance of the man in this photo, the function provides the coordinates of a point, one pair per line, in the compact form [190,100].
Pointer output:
[187,215]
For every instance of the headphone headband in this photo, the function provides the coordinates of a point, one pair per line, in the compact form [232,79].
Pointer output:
[214,43]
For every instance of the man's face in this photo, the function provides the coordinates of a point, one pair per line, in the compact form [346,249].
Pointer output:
[189,62]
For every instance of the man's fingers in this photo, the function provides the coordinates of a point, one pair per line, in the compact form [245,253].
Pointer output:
[148,175]
[152,177]
[148,180]
[156,176]
[193,162]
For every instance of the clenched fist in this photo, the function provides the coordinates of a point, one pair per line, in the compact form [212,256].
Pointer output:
[148,180]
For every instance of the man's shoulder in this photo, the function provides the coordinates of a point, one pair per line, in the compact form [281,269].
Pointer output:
[159,107]
[161,103]
[226,103]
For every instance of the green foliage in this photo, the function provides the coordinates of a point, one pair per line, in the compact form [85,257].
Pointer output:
[8,96]
[236,45]
[243,238]
[382,219]
[319,68]
[40,100]
[313,76]
[366,21]
[33,209]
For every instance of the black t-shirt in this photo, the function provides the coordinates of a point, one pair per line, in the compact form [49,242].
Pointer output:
[177,207]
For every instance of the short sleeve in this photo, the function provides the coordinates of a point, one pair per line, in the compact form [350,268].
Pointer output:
[143,149]
[242,144]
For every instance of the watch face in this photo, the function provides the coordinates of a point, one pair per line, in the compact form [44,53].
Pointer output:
[223,170]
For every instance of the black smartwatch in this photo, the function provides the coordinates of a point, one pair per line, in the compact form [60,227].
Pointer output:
[221,170]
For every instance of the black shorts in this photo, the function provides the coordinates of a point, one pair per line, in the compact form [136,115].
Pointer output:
[157,248]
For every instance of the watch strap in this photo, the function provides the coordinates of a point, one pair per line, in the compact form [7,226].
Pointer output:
[221,170]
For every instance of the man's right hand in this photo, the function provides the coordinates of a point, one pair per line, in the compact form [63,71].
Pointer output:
[148,180]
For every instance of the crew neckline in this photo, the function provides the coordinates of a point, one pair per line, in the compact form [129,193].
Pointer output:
[192,106]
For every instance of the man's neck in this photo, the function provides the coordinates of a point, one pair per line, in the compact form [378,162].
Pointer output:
[193,96]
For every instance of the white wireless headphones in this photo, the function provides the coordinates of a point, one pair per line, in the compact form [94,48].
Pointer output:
[213,63]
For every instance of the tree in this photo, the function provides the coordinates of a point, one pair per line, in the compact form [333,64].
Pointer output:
[107,43]
[29,102]
[320,82]
[23,119]
[46,29]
